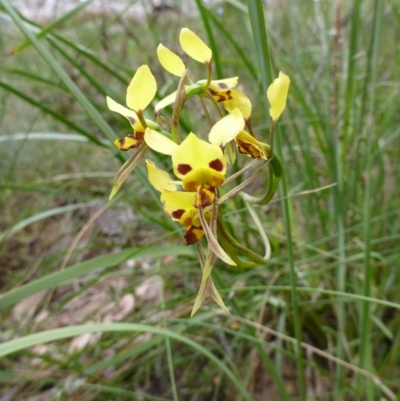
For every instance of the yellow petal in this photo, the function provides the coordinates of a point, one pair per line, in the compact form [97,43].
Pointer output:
[202,176]
[249,145]
[238,101]
[194,46]
[222,85]
[127,143]
[170,61]
[227,128]
[192,235]
[128,114]
[277,95]
[158,178]
[159,143]
[141,90]
[165,102]
[179,205]
[205,196]
[198,162]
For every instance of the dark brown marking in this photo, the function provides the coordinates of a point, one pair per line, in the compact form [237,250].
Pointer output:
[216,165]
[177,214]
[249,149]
[139,136]
[184,168]
[192,235]
[205,196]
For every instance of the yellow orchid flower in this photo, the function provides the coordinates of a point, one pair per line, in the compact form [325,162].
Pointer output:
[200,165]
[231,127]
[221,90]
[140,93]
[179,205]
[277,95]
[131,140]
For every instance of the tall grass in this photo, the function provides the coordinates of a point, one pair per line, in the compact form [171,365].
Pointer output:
[318,322]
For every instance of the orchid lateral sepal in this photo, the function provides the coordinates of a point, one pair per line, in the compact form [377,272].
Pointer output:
[232,252]
[127,168]
[248,253]
[211,238]
[207,286]
[260,228]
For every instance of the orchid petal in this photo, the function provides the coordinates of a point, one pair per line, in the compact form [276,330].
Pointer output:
[129,142]
[130,115]
[277,95]
[212,241]
[192,235]
[222,85]
[170,61]
[238,101]
[158,178]
[227,128]
[159,142]
[198,162]
[194,47]
[249,145]
[141,90]
[180,206]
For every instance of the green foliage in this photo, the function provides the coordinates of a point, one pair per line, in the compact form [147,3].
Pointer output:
[319,321]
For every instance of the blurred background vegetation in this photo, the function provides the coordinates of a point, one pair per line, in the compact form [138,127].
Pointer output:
[69,258]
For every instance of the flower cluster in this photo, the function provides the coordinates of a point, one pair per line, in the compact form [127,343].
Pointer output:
[194,197]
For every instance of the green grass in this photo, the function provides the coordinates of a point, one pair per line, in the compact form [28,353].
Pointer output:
[319,321]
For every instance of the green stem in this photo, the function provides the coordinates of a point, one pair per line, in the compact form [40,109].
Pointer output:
[271,138]
[365,345]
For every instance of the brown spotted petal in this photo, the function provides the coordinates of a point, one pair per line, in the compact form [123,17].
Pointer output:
[180,206]
[202,176]
[198,162]
[205,196]
[249,145]
[223,85]
[192,235]
[221,90]
[130,141]
[130,115]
